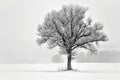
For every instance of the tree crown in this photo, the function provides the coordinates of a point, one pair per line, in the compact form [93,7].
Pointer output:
[69,29]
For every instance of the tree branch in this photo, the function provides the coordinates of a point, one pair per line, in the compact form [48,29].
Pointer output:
[62,36]
[78,45]
[77,36]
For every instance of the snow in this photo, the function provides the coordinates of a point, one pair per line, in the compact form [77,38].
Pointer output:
[86,71]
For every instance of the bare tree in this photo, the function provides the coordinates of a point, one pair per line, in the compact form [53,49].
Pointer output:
[69,29]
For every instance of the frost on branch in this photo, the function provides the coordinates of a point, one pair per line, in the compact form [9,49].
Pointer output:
[69,29]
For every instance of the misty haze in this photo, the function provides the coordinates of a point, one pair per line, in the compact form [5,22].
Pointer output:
[21,58]
[20,19]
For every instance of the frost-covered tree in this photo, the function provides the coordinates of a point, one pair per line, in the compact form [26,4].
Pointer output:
[69,29]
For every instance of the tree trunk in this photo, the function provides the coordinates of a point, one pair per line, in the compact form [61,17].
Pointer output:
[69,62]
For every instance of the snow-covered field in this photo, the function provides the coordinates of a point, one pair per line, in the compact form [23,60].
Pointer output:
[87,71]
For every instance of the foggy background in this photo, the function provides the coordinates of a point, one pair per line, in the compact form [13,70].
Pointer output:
[19,20]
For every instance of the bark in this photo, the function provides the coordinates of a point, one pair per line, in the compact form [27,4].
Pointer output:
[69,67]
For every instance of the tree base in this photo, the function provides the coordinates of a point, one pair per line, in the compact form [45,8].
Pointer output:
[69,69]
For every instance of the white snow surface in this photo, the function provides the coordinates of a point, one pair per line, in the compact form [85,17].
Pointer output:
[85,71]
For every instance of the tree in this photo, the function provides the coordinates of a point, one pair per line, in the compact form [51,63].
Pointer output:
[57,59]
[69,29]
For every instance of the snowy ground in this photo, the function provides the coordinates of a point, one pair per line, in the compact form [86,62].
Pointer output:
[87,71]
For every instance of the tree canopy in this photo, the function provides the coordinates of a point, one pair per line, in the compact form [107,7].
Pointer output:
[69,29]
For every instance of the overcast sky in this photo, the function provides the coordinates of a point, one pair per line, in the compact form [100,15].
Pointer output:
[19,20]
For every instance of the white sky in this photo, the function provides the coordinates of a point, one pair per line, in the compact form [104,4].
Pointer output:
[19,18]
